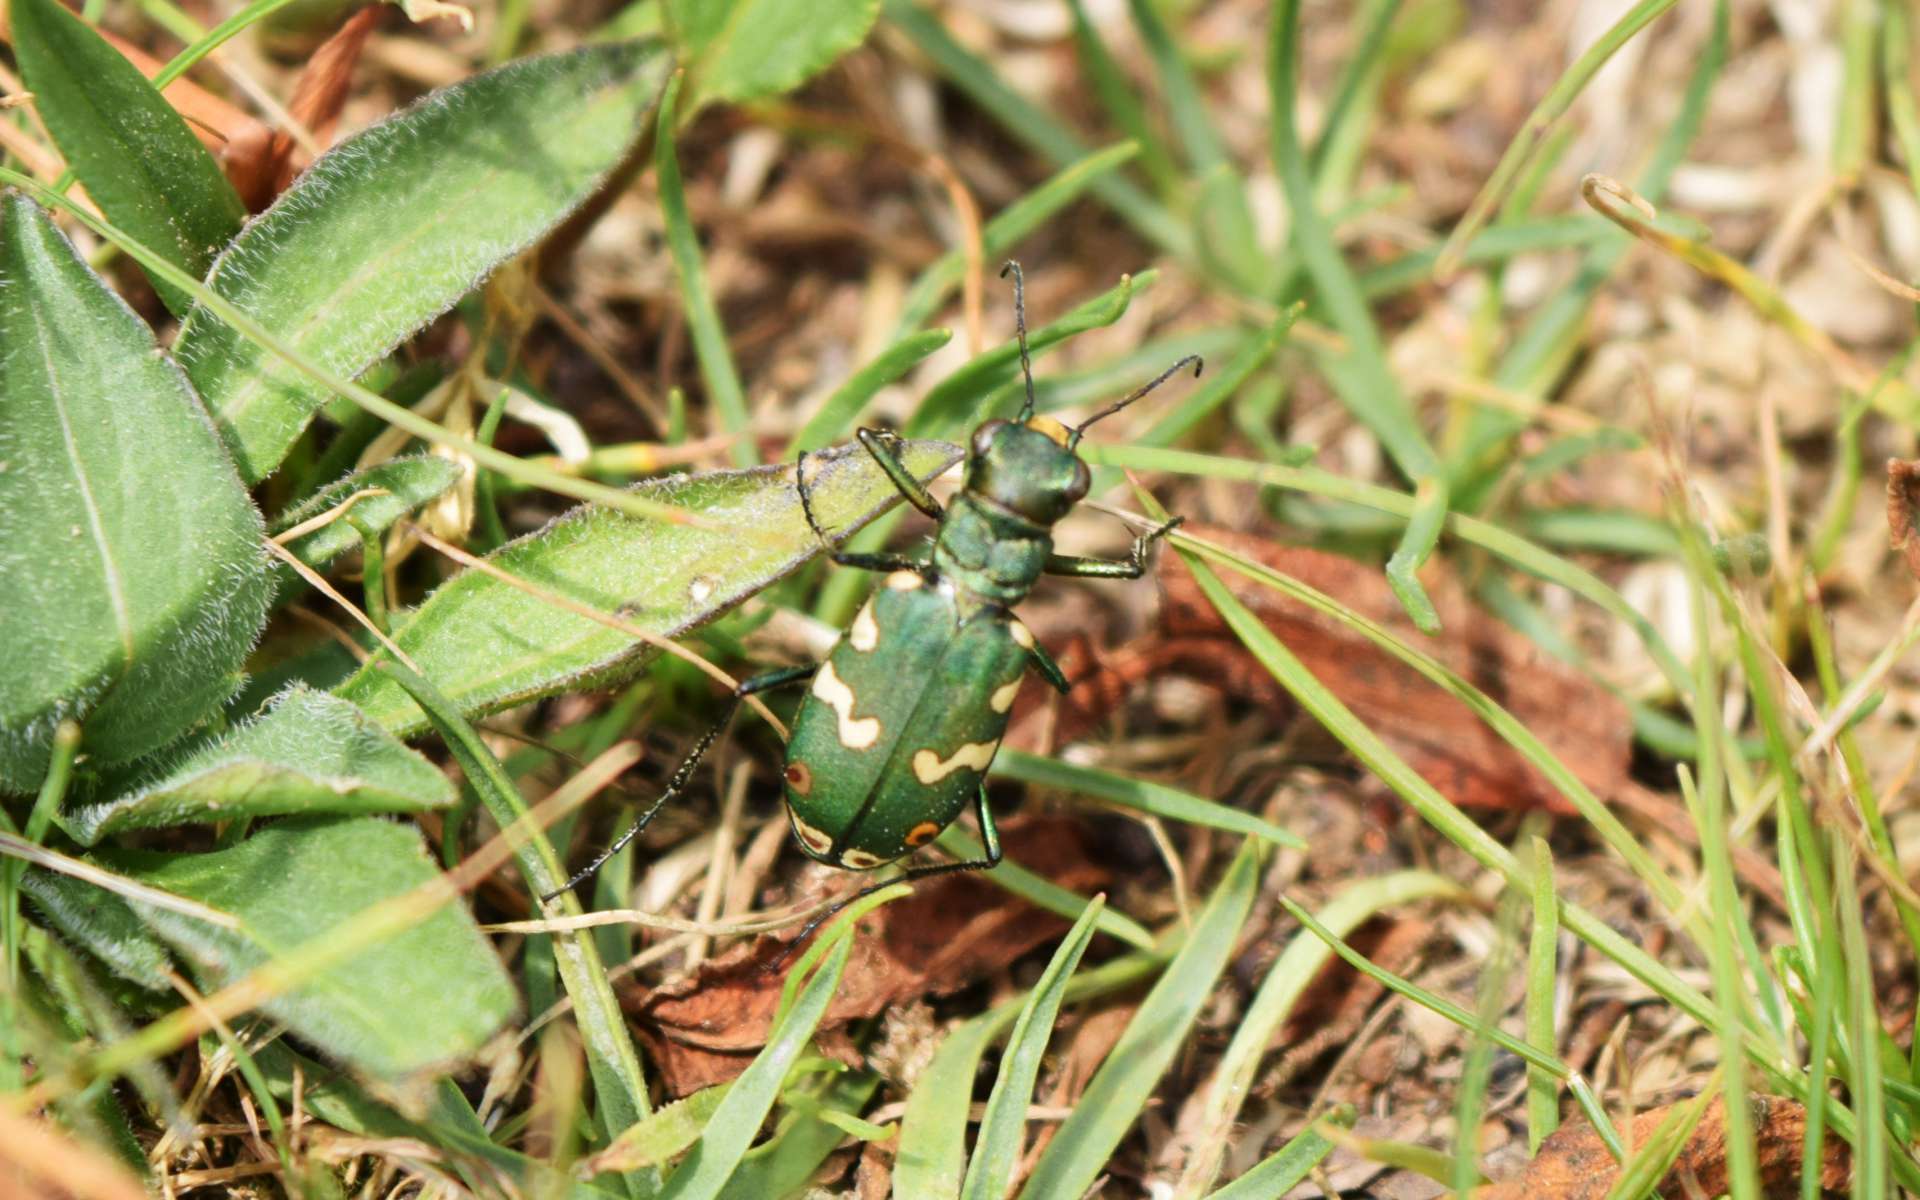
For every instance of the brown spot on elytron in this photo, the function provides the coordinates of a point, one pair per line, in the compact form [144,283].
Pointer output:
[800,777]
[921,834]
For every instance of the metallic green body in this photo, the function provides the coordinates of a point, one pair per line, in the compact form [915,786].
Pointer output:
[902,720]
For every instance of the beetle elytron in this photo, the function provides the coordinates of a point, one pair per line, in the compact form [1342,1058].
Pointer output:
[900,724]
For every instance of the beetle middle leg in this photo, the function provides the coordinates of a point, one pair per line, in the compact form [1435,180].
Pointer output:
[684,772]
[1133,566]
[852,558]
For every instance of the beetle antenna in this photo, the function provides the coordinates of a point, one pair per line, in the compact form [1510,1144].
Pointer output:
[1020,329]
[1073,438]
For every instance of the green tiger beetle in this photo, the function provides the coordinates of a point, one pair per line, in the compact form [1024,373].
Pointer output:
[901,722]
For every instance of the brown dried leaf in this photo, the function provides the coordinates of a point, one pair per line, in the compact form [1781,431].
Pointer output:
[949,933]
[1573,1164]
[1903,503]
[260,162]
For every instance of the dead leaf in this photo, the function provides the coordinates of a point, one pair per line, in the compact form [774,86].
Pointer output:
[260,162]
[1573,1164]
[1903,499]
[952,931]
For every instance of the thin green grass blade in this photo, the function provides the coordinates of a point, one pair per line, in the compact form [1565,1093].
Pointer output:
[954,401]
[1515,550]
[1139,794]
[1121,99]
[1042,892]
[1120,1089]
[1003,1128]
[1279,1173]
[620,1087]
[1006,230]
[724,391]
[1541,121]
[829,422]
[732,1129]
[1361,376]
[801,1142]
[1286,981]
[1032,124]
[408,483]
[1543,1093]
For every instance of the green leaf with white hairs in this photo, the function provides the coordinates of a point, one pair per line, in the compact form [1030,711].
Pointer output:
[103,923]
[386,493]
[310,753]
[391,227]
[426,997]
[136,156]
[487,644]
[132,576]
[745,49]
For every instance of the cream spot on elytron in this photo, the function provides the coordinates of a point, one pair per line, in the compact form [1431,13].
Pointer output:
[701,587]
[1002,699]
[930,768]
[905,581]
[865,632]
[1021,634]
[814,840]
[860,860]
[855,733]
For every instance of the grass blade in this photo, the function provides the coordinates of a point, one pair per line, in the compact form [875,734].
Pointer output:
[724,390]
[1119,1090]
[1139,794]
[1003,1128]
[1286,1167]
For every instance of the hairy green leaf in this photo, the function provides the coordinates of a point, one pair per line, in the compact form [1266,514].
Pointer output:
[407,482]
[132,577]
[391,227]
[310,753]
[426,997]
[101,922]
[487,644]
[138,159]
[744,49]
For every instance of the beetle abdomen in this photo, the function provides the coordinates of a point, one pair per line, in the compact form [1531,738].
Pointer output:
[900,722]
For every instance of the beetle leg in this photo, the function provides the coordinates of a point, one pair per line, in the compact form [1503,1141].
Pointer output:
[846,558]
[1049,669]
[1131,567]
[878,562]
[989,838]
[684,772]
[880,444]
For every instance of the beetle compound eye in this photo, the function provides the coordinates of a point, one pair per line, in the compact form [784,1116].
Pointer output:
[983,436]
[1082,480]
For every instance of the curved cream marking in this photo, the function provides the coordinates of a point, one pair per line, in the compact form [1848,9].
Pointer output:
[860,860]
[930,768]
[855,733]
[1020,634]
[865,632]
[905,581]
[815,840]
[1002,700]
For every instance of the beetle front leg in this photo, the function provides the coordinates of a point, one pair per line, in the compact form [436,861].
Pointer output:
[848,558]
[1131,567]
[880,444]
